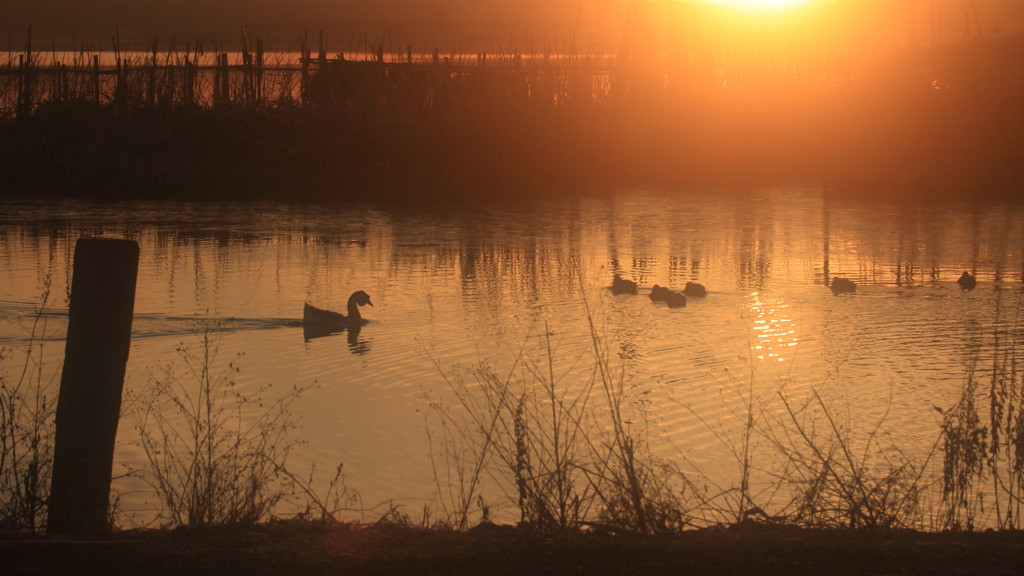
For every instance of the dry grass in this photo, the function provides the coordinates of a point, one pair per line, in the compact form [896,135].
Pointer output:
[27,409]
[215,455]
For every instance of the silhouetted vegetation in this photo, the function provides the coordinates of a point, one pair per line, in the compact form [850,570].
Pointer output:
[413,124]
[28,402]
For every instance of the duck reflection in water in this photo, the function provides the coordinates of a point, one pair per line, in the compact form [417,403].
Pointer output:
[317,323]
[356,344]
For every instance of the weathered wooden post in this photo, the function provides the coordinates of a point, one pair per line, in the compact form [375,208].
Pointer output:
[99,335]
[304,60]
[151,84]
[259,69]
[25,80]
[225,88]
[96,77]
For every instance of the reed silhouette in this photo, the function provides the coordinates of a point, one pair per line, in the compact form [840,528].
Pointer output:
[412,124]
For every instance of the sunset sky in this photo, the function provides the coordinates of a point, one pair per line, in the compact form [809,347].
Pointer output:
[867,24]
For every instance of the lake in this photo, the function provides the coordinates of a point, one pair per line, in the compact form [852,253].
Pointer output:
[453,288]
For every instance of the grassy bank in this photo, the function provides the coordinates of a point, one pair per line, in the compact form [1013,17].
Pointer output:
[315,548]
[562,444]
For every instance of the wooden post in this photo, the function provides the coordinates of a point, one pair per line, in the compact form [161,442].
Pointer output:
[225,86]
[151,88]
[259,69]
[304,61]
[408,53]
[96,77]
[190,81]
[21,85]
[98,339]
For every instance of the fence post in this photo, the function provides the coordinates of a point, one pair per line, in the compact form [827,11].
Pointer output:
[89,404]
[21,86]
[25,84]
[304,60]
[96,77]
[225,71]
[151,87]
[259,69]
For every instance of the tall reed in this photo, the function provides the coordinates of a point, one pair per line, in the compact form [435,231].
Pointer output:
[28,401]
[215,455]
[983,433]
[551,434]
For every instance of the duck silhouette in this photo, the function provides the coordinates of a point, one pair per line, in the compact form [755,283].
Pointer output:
[313,316]
[659,293]
[621,286]
[967,281]
[675,299]
[672,298]
[840,285]
[694,289]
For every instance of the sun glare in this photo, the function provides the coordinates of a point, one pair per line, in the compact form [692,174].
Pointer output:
[762,4]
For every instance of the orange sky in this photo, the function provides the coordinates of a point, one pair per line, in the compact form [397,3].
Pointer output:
[871,24]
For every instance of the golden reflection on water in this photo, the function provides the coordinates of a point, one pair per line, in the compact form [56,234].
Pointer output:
[773,328]
[461,287]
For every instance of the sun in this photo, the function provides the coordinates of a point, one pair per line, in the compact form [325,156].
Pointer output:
[762,4]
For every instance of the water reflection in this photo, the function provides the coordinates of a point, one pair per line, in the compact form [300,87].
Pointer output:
[356,344]
[773,329]
[459,287]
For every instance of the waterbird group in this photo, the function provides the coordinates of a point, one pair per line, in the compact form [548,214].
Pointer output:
[967,281]
[659,293]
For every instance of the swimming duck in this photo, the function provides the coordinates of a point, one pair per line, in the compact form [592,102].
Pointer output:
[675,299]
[313,316]
[967,281]
[672,298]
[659,293]
[620,286]
[694,289]
[840,285]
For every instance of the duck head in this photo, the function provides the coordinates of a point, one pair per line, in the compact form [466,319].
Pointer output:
[361,298]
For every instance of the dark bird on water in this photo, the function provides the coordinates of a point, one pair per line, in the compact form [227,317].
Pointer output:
[675,300]
[659,293]
[967,281]
[621,286]
[672,298]
[840,285]
[694,289]
[313,316]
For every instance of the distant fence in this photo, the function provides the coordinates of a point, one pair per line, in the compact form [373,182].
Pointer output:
[28,80]
[253,75]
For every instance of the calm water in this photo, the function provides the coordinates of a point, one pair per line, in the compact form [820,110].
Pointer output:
[451,288]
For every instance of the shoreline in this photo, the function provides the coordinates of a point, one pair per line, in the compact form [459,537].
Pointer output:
[311,548]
